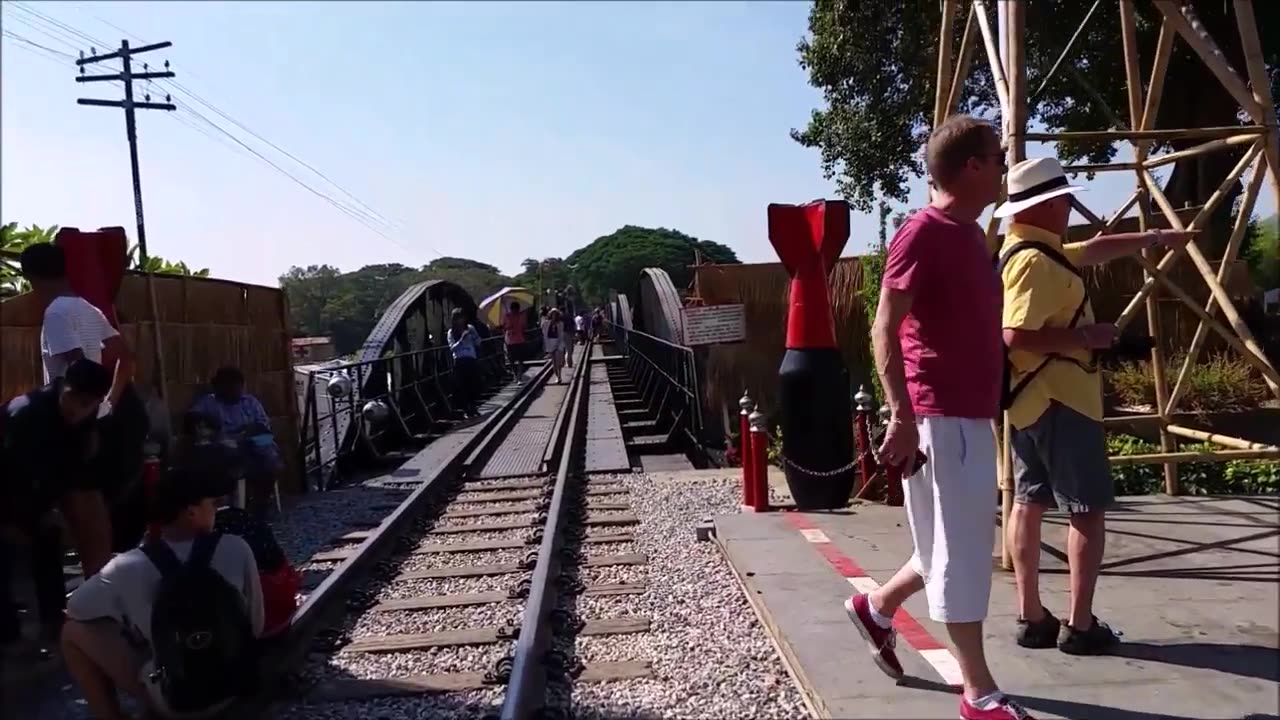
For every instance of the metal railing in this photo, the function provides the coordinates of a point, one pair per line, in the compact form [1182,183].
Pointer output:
[667,377]
[367,409]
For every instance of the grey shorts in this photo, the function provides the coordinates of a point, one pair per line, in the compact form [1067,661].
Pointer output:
[1061,460]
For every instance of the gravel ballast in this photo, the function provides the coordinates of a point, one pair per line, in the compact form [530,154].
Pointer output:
[710,655]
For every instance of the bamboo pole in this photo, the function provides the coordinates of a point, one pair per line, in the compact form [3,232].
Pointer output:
[1163,134]
[942,91]
[1155,87]
[1195,456]
[1102,167]
[1224,299]
[1167,262]
[1234,340]
[1211,56]
[1238,232]
[968,44]
[994,58]
[1015,129]
[1219,439]
[1137,112]
[1261,85]
[1201,149]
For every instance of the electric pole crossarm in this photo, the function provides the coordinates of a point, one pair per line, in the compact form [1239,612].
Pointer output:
[120,77]
[126,103]
[122,52]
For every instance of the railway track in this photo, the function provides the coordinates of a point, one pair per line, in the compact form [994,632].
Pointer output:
[465,593]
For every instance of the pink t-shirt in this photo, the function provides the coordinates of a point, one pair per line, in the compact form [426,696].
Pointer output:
[951,344]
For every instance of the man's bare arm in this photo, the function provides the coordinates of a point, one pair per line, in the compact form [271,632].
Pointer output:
[1105,248]
[892,310]
[125,366]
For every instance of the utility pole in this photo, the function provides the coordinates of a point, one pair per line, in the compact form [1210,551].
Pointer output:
[127,76]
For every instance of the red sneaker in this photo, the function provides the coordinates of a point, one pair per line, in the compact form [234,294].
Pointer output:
[881,641]
[1007,709]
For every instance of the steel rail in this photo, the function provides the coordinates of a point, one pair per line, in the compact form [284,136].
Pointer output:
[281,655]
[526,689]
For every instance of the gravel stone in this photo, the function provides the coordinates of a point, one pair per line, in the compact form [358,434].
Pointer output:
[470,537]
[465,559]
[403,589]
[438,619]
[711,657]
[486,519]
[311,524]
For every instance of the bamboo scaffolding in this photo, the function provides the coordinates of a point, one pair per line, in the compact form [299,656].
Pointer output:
[1159,135]
[968,44]
[994,58]
[1261,86]
[1238,232]
[1195,456]
[1228,441]
[1211,146]
[1166,263]
[942,89]
[1137,116]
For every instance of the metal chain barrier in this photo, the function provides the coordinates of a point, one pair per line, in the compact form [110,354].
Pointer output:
[786,461]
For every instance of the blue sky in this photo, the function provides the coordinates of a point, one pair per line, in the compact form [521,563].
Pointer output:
[486,130]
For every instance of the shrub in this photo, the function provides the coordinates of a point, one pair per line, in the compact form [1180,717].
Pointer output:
[1234,477]
[1218,383]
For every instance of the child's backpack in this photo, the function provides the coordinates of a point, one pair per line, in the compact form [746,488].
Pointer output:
[200,629]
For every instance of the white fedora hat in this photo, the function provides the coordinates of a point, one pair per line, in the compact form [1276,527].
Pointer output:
[1032,182]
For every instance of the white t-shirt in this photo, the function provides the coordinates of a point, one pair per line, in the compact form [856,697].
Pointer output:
[126,587]
[72,323]
[580,322]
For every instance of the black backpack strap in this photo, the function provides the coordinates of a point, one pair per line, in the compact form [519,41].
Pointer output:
[202,549]
[162,556]
[1053,254]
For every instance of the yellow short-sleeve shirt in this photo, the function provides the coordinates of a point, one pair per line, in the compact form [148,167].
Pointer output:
[1040,293]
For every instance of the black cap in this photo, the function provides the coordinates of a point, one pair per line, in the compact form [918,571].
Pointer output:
[87,377]
[179,488]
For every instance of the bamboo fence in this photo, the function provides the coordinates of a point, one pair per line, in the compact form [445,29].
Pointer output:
[199,324]
[1005,57]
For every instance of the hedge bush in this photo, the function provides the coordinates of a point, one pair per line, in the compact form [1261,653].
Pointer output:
[1234,477]
[1217,384]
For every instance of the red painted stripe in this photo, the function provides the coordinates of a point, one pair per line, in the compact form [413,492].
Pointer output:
[908,627]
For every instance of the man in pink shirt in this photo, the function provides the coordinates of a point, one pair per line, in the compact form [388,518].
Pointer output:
[939,355]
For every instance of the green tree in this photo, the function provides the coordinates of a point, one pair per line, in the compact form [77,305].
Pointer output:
[324,301]
[1261,252]
[549,273]
[157,264]
[13,241]
[614,261]
[875,63]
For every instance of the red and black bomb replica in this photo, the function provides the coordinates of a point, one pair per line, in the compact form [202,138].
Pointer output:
[816,417]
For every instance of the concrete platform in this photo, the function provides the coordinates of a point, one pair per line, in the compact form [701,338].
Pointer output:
[1193,583]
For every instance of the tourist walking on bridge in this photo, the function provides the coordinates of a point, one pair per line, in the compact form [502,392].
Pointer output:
[464,343]
[553,341]
[1055,397]
[513,336]
[937,349]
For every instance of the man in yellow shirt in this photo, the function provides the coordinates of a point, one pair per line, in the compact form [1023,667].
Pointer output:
[1054,397]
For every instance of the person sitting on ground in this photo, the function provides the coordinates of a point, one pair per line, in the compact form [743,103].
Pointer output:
[464,343]
[242,419]
[133,626]
[48,439]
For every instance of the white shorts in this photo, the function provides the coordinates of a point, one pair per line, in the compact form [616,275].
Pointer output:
[551,345]
[951,505]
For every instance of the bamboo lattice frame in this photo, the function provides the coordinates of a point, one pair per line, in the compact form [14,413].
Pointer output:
[1261,138]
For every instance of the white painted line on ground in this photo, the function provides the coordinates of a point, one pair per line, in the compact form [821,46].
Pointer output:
[946,664]
[814,535]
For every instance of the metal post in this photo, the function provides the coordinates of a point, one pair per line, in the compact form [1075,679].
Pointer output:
[746,405]
[862,436]
[759,462]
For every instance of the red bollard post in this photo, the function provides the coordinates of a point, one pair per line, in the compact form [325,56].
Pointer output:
[745,406]
[150,476]
[759,462]
[862,438]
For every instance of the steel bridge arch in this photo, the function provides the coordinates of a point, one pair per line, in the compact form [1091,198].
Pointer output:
[660,306]
[417,320]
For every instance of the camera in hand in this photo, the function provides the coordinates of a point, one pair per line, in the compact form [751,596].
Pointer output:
[877,440]
[1128,349]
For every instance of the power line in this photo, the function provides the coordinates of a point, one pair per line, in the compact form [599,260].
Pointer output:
[361,211]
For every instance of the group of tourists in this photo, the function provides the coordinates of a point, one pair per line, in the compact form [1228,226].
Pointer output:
[1024,343]
[174,576]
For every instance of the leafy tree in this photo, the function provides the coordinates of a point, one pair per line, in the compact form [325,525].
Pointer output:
[157,264]
[549,273]
[1261,252]
[12,242]
[875,63]
[324,301]
[614,261]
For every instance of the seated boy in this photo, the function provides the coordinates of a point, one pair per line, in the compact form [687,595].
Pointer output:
[132,627]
